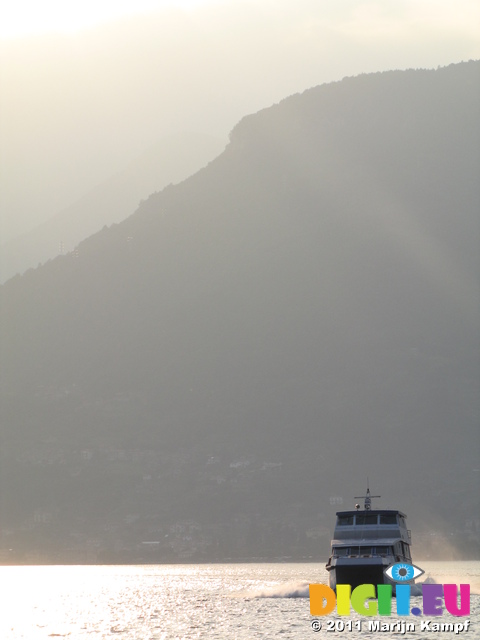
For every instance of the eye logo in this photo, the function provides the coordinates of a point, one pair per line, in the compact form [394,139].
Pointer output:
[402,572]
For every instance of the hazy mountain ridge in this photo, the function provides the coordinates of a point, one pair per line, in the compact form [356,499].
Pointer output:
[171,160]
[306,299]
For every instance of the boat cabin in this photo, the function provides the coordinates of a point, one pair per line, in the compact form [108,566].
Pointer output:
[365,542]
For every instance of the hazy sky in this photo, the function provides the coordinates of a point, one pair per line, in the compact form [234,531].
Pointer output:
[86,86]
[25,17]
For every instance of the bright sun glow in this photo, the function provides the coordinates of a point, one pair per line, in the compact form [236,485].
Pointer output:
[32,17]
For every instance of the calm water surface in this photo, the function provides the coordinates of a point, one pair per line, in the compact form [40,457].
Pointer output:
[235,601]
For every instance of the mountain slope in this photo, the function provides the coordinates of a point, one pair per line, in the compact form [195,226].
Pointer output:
[310,299]
[171,160]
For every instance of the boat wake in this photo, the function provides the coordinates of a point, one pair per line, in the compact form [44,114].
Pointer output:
[416,589]
[297,589]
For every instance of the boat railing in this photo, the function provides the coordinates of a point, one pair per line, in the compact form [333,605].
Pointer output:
[375,554]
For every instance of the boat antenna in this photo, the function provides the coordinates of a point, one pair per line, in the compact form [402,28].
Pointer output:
[367,497]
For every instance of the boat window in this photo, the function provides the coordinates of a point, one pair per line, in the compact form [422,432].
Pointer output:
[402,522]
[366,551]
[341,551]
[366,519]
[344,521]
[388,518]
[383,551]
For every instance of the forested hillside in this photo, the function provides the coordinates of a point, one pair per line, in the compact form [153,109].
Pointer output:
[237,356]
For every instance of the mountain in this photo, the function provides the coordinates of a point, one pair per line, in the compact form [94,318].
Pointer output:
[219,371]
[171,160]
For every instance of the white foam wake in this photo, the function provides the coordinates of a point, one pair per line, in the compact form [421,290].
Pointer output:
[416,589]
[297,589]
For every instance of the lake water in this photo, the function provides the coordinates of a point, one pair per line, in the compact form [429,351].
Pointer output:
[168,602]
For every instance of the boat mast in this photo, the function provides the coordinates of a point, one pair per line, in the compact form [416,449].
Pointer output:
[367,497]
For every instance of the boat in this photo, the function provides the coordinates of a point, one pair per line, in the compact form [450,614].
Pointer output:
[366,542]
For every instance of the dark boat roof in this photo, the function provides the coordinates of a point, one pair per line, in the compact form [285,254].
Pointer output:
[368,511]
